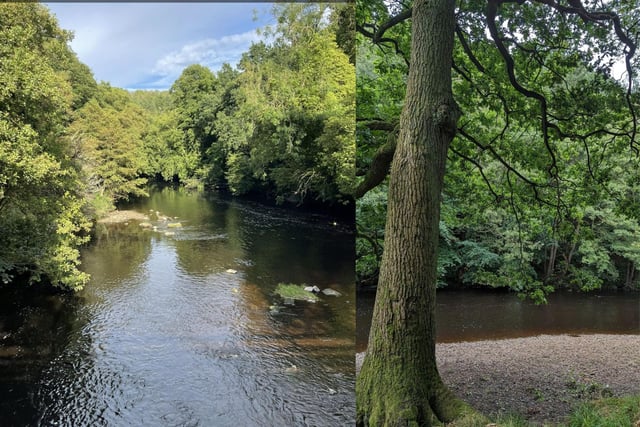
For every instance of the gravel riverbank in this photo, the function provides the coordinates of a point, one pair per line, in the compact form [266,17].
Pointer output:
[542,378]
[123,216]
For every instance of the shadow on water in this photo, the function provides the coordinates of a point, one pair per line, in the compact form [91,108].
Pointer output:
[180,325]
[35,328]
[473,315]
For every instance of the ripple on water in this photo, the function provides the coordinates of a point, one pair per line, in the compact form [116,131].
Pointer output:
[165,336]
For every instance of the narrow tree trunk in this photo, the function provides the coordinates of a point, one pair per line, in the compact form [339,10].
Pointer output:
[399,383]
[631,271]
[569,257]
[551,263]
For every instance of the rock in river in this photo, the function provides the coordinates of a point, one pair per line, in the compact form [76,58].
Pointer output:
[291,369]
[331,292]
[312,289]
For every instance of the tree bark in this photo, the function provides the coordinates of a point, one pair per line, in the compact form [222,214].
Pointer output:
[399,383]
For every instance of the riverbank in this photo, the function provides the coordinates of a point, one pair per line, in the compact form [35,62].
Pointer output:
[541,378]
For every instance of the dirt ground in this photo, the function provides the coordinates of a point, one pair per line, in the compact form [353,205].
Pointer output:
[541,378]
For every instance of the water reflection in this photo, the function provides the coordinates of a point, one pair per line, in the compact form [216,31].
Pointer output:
[167,335]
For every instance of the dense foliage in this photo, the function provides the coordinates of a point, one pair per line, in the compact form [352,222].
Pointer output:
[280,125]
[283,123]
[524,207]
[40,204]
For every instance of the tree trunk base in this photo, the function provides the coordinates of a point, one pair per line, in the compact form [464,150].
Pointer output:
[397,399]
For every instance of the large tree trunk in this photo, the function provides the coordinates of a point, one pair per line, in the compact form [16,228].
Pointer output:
[399,383]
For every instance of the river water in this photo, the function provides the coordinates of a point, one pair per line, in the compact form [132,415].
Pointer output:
[473,315]
[166,335]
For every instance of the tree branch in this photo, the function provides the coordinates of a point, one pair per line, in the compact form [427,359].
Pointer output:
[480,169]
[578,9]
[377,34]
[492,10]
[378,124]
[393,21]
[377,249]
[467,49]
[379,168]
[534,186]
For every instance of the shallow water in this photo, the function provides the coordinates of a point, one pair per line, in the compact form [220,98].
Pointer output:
[472,315]
[166,335]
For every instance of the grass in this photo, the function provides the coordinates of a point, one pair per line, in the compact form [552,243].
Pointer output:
[477,420]
[587,389]
[607,412]
[295,292]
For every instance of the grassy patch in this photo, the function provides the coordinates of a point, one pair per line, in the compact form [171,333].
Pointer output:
[536,393]
[587,389]
[295,292]
[468,420]
[478,420]
[610,412]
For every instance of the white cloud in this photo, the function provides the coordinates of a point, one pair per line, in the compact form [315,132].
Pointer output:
[210,52]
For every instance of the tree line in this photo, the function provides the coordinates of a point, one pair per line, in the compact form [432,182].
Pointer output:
[280,124]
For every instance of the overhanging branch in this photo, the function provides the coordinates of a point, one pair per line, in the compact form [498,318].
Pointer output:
[492,10]
[376,34]
[480,169]
[576,8]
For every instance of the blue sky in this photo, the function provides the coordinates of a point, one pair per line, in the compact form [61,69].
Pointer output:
[147,45]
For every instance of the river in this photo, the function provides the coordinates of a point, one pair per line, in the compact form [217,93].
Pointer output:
[484,314]
[184,328]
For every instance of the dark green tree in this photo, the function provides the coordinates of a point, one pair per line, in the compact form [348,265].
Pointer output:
[190,94]
[40,207]
[294,121]
[108,132]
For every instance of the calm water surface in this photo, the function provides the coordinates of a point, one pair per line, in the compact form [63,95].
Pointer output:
[472,315]
[164,335]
